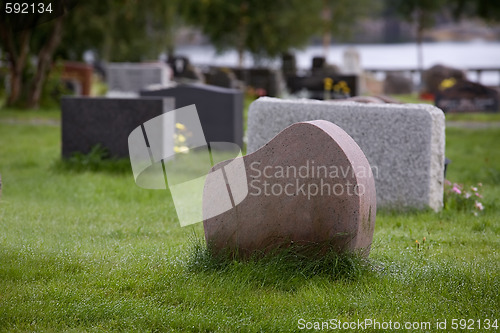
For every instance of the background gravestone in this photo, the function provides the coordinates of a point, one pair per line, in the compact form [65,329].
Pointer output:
[79,72]
[433,77]
[133,77]
[220,109]
[466,96]
[404,142]
[87,122]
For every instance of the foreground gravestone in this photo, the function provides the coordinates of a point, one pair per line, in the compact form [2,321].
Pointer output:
[404,143]
[87,122]
[310,185]
[132,77]
[220,109]
[466,96]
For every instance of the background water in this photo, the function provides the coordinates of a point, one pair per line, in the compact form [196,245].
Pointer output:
[462,55]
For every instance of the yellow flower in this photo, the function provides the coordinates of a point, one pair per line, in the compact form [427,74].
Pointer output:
[180,126]
[447,83]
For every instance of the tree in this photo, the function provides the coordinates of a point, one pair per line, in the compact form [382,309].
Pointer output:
[262,27]
[421,12]
[36,33]
[121,30]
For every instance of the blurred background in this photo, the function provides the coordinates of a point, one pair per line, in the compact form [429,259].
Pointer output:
[277,48]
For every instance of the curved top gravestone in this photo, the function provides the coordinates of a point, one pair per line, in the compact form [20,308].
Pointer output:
[311,184]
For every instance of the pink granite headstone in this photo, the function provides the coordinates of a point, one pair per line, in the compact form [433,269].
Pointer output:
[311,184]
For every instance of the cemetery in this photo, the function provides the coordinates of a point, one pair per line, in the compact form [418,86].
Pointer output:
[160,193]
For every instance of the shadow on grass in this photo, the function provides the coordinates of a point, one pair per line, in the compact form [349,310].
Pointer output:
[97,160]
[285,269]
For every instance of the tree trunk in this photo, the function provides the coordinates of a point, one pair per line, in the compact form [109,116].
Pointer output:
[44,63]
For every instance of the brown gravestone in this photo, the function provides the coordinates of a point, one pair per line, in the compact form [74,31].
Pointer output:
[433,77]
[311,184]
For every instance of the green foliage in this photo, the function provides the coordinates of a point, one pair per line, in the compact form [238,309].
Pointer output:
[421,11]
[264,28]
[90,251]
[120,30]
[97,159]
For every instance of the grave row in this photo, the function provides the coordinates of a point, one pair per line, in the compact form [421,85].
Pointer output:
[403,143]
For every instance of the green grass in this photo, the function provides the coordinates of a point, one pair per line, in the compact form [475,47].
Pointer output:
[474,117]
[90,251]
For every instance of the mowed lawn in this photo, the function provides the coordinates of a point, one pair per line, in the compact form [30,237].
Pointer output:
[90,251]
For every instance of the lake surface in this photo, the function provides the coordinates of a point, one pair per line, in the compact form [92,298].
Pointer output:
[462,55]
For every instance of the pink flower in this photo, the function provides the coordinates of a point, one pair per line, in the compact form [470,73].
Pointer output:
[467,195]
[478,195]
[474,188]
[456,189]
[479,205]
[447,182]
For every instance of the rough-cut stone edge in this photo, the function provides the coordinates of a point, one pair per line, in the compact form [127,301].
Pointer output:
[437,158]
[437,132]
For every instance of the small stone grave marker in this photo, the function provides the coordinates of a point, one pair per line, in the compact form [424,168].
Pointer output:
[466,96]
[87,122]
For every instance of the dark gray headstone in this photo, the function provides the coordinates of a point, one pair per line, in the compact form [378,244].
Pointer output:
[87,122]
[466,96]
[270,80]
[220,109]
[222,77]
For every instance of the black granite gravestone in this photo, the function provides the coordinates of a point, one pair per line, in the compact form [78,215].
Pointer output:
[87,122]
[466,96]
[220,109]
